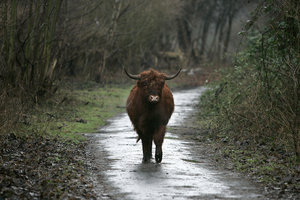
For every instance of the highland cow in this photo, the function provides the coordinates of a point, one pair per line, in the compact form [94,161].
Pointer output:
[150,105]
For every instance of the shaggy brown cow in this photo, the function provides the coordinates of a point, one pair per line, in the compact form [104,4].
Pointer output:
[150,105]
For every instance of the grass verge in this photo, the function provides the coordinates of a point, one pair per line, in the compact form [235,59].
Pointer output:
[74,111]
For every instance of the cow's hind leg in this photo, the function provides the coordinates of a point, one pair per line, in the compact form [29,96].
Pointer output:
[158,138]
[147,148]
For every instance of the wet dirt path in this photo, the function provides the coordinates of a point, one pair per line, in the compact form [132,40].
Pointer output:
[183,173]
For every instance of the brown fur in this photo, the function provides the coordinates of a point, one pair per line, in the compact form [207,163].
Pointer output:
[150,120]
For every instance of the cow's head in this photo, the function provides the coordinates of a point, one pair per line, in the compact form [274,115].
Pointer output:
[151,83]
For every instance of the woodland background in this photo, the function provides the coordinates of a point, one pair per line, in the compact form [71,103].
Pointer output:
[43,43]
[248,52]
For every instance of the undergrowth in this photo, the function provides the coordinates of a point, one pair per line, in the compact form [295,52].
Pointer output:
[254,109]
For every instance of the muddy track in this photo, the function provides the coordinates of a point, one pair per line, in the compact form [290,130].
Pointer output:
[185,173]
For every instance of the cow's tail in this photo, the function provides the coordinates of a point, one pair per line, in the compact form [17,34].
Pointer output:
[138,139]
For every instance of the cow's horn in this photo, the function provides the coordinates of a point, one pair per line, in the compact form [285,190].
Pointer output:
[173,76]
[136,77]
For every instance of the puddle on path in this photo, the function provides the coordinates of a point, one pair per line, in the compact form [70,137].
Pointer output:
[182,173]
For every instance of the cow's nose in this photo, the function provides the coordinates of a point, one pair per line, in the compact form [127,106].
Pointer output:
[153,98]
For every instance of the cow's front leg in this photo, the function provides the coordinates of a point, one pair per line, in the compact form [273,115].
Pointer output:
[158,138]
[147,148]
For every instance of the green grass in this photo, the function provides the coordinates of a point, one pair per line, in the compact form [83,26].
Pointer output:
[76,111]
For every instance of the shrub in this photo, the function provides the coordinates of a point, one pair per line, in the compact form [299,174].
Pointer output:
[258,98]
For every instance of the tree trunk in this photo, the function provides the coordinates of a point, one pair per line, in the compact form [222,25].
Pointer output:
[232,11]
[110,38]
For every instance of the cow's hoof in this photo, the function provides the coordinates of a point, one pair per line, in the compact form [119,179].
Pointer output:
[158,157]
[146,160]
